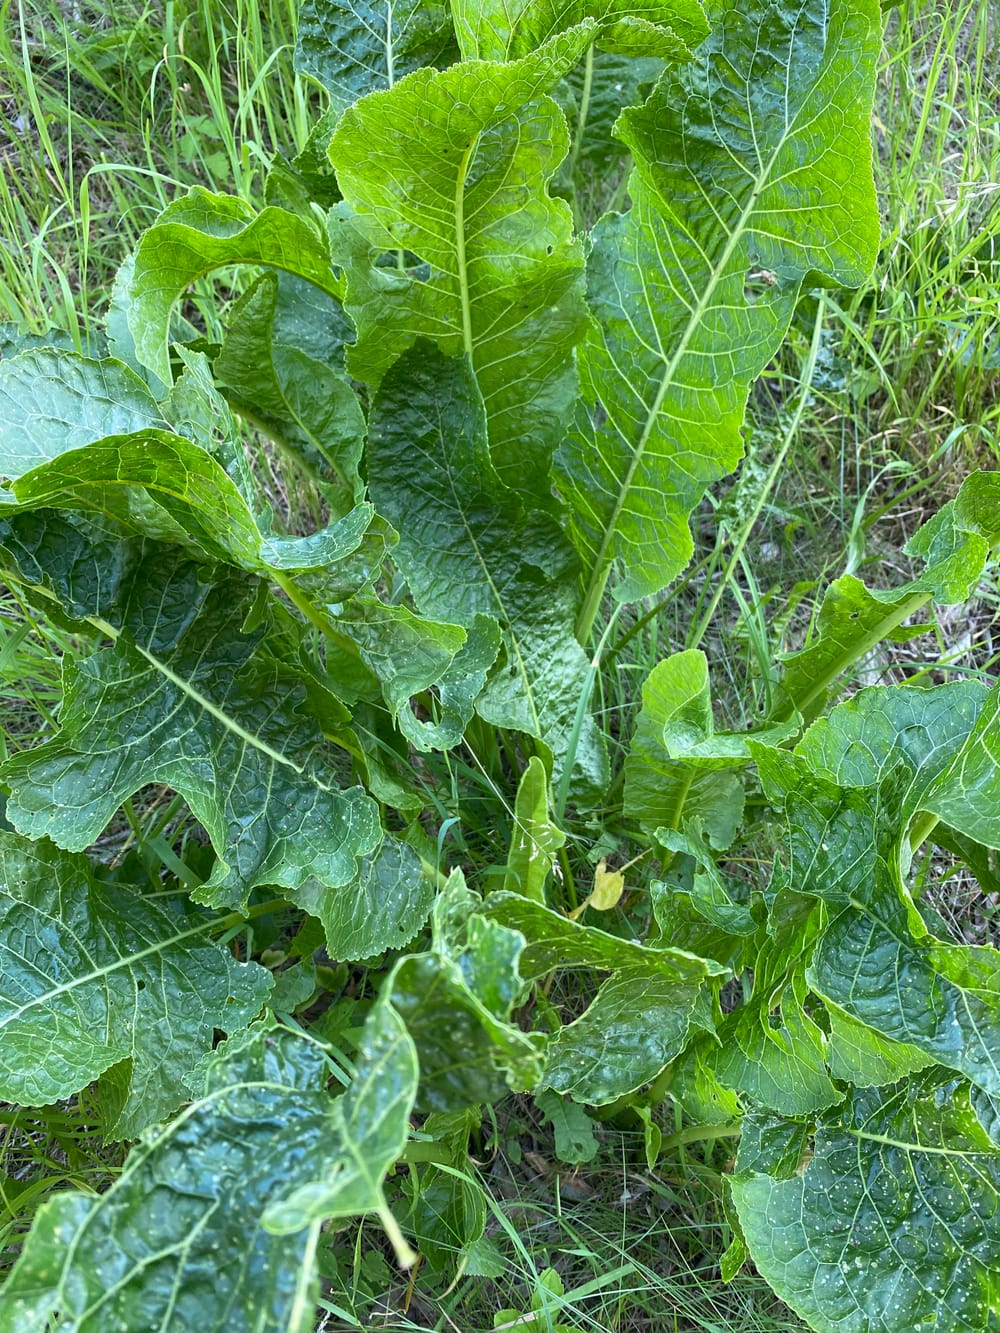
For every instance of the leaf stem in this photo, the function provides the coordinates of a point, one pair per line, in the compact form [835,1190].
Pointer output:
[224,923]
[591,602]
[406,1257]
[921,829]
[731,1129]
[581,125]
[569,878]
[885,626]
[791,430]
[582,707]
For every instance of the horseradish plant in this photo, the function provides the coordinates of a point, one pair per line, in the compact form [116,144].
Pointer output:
[510,410]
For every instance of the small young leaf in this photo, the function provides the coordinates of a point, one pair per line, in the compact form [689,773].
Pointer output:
[535,840]
[456,1002]
[662,791]
[575,1140]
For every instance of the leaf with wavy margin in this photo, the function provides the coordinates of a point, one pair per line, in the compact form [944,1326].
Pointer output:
[893,1222]
[752,174]
[97,973]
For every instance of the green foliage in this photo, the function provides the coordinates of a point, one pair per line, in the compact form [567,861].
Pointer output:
[502,412]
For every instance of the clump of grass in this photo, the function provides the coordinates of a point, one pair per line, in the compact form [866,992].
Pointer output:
[106,112]
[611,1247]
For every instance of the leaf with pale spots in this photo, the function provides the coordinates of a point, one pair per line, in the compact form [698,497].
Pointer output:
[214,1220]
[891,1222]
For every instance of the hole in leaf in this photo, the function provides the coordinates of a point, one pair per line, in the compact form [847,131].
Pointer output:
[758,282]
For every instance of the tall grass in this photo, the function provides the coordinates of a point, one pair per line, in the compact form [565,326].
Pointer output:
[106,112]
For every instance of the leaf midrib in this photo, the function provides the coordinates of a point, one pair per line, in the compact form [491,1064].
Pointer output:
[602,563]
[127,962]
[511,633]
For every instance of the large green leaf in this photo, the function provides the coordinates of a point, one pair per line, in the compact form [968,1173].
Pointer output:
[370,1124]
[93,974]
[195,1231]
[943,1000]
[770,1050]
[456,1001]
[892,1223]
[185,697]
[863,739]
[469,547]
[52,401]
[967,794]
[202,232]
[160,485]
[877,959]
[448,170]
[753,173]
[641,1017]
[408,653]
[354,47]
[385,908]
[553,940]
[858,1054]
[281,366]
[500,30]
[592,97]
